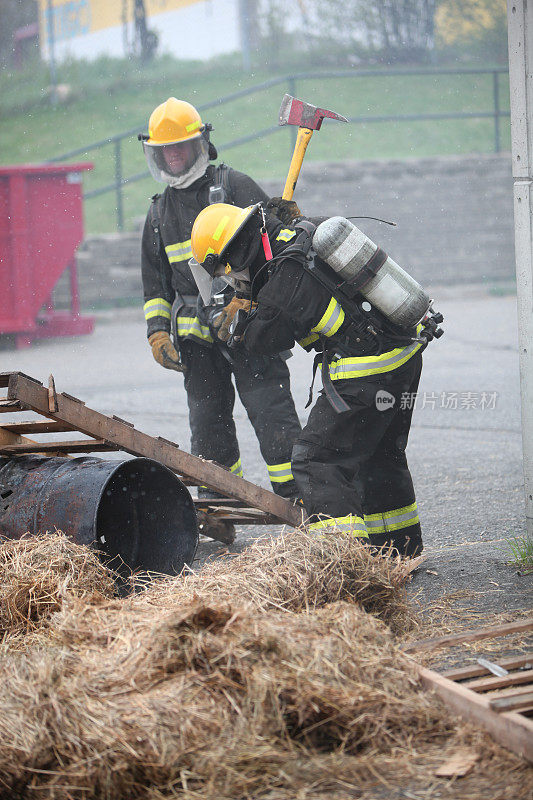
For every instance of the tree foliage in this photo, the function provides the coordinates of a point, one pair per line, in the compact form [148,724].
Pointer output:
[390,31]
[458,21]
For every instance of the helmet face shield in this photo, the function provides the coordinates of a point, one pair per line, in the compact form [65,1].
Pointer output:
[203,279]
[207,273]
[178,163]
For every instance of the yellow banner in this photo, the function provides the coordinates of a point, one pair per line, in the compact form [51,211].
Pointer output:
[78,17]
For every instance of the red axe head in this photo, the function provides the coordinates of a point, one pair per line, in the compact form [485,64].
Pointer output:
[304,115]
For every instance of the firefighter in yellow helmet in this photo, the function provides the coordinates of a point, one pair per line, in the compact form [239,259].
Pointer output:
[349,461]
[179,325]
[177,145]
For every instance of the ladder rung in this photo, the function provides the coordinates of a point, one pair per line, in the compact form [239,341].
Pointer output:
[85,446]
[8,406]
[37,427]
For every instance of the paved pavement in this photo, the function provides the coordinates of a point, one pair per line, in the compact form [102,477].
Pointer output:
[465,447]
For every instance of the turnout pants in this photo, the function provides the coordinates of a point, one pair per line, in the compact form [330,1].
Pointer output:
[351,468]
[263,385]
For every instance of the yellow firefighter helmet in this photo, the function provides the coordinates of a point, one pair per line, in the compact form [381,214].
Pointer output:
[177,146]
[174,121]
[215,228]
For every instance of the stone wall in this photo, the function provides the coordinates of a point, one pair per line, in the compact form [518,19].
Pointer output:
[453,215]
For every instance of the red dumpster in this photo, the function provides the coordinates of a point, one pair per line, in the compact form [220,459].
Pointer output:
[41,225]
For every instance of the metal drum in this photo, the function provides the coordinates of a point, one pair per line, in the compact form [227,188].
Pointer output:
[136,511]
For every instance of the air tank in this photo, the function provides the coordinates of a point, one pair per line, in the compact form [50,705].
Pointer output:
[360,262]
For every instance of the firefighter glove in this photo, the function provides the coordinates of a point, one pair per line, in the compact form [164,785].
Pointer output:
[164,351]
[223,320]
[285,210]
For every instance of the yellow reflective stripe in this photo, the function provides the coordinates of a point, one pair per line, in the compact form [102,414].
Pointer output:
[157,301]
[156,313]
[180,251]
[285,235]
[220,228]
[361,366]
[237,468]
[191,326]
[158,307]
[280,473]
[348,524]
[393,520]
[331,320]
[308,339]
[193,126]
[394,512]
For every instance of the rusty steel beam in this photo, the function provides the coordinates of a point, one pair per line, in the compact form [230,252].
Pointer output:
[33,395]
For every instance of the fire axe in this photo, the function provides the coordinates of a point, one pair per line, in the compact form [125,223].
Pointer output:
[308,118]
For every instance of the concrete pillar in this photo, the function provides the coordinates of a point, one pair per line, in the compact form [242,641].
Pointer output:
[520,27]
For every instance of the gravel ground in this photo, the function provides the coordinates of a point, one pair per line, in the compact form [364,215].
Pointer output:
[465,449]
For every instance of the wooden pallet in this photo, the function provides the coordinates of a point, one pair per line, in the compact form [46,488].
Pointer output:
[243,503]
[498,696]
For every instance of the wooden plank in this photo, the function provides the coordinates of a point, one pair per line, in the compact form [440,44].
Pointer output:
[100,426]
[508,691]
[37,427]
[494,682]
[75,446]
[202,502]
[5,378]
[522,699]
[249,512]
[241,519]
[52,394]
[240,516]
[8,406]
[8,438]
[461,673]
[475,635]
[510,729]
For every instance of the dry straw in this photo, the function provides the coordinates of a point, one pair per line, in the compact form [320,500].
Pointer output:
[37,573]
[260,677]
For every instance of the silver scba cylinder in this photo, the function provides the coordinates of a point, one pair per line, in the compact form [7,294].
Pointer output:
[361,263]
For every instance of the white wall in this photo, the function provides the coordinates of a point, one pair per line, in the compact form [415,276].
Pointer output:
[198,31]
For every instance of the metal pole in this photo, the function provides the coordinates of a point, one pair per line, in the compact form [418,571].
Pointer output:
[496,89]
[520,26]
[118,185]
[51,52]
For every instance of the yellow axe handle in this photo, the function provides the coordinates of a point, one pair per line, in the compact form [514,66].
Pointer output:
[304,135]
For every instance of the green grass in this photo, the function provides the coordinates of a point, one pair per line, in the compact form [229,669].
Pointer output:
[111,96]
[521,548]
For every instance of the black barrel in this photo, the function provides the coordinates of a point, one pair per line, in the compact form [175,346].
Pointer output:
[135,511]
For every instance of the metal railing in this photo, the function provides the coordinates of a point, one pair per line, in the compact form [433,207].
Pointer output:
[290,81]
